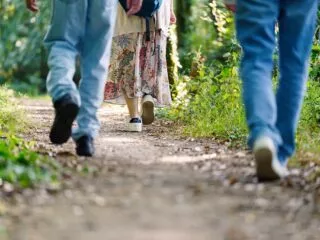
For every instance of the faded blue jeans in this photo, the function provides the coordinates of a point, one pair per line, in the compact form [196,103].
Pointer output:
[81,28]
[267,113]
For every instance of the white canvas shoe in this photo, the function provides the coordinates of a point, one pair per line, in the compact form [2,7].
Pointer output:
[134,125]
[147,113]
[268,166]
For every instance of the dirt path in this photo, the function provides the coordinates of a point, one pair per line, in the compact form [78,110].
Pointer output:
[157,186]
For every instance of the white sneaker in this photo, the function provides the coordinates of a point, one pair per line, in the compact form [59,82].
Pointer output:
[268,166]
[135,125]
[147,113]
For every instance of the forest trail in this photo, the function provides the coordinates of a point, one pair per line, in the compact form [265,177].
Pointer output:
[155,185]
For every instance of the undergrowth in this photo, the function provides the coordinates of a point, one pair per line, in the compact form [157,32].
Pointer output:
[12,117]
[207,100]
[20,166]
[207,96]
[308,137]
[208,103]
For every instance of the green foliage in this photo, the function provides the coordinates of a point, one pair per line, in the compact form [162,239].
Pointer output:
[309,128]
[24,168]
[315,62]
[209,104]
[208,26]
[172,57]
[19,164]
[183,13]
[22,56]
[208,101]
[11,115]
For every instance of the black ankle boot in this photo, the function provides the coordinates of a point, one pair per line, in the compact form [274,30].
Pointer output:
[85,146]
[66,111]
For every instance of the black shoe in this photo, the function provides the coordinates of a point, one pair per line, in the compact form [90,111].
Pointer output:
[66,110]
[85,146]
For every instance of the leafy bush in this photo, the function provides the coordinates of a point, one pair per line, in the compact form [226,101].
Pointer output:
[204,25]
[20,166]
[23,168]
[208,101]
[308,137]
[315,62]
[209,104]
[207,98]
[11,115]
[22,56]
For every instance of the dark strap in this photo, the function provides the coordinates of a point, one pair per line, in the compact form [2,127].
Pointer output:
[148,29]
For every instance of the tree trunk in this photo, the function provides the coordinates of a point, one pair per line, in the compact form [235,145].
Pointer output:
[172,59]
[183,14]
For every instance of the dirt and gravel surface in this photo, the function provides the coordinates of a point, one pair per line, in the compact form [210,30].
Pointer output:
[156,185]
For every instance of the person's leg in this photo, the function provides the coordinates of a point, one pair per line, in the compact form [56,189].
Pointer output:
[62,40]
[95,55]
[135,123]
[133,106]
[297,23]
[255,23]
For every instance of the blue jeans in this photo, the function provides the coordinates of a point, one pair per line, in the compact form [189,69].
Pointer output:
[267,113]
[81,28]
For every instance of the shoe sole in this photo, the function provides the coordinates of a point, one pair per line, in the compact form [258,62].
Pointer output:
[81,154]
[85,147]
[263,159]
[147,112]
[62,127]
[134,127]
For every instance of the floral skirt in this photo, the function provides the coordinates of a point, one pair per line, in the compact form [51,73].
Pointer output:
[137,68]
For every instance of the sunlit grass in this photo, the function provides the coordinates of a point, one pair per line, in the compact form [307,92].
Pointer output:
[12,115]
[20,165]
